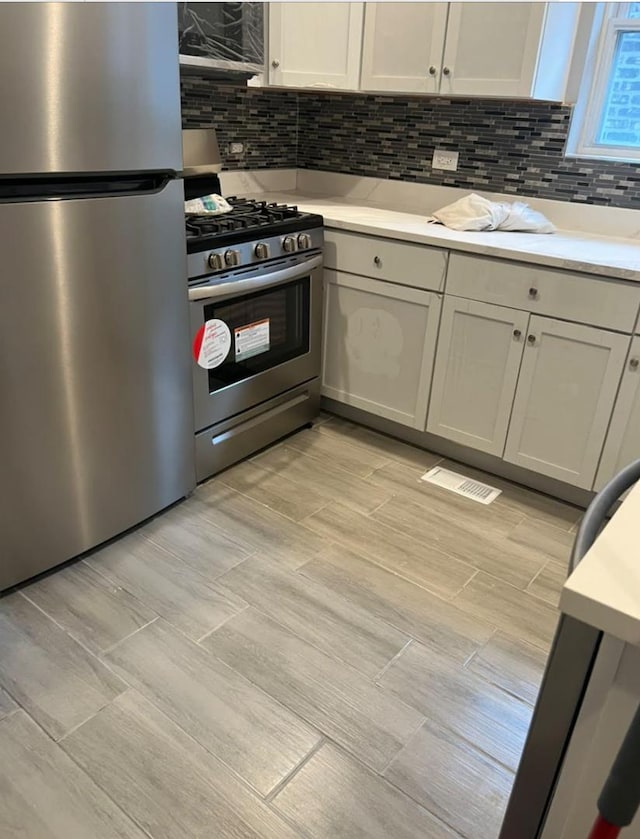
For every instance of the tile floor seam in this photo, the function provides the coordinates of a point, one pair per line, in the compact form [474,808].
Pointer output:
[176,556]
[319,459]
[188,736]
[524,593]
[331,656]
[112,647]
[457,735]
[93,780]
[403,746]
[59,744]
[149,696]
[440,819]
[272,509]
[365,447]
[343,749]
[198,641]
[394,658]
[277,789]
[372,561]
[62,628]
[415,541]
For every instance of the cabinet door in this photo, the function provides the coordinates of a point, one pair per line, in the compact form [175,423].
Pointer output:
[622,445]
[479,352]
[564,400]
[379,346]
[491,49]
[402,46]
[315,44]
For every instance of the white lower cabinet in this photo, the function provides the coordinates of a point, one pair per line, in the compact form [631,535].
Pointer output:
[564,400]
[379,346]
[622,445]
[479,351]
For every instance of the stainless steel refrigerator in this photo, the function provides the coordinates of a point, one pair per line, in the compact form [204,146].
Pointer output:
[96,425]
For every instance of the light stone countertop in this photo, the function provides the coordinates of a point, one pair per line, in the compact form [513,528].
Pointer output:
[604,590]
[589,253]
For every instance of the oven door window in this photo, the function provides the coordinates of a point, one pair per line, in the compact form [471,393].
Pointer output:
[267,328]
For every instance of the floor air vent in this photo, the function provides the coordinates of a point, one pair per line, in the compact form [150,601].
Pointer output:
[461,485]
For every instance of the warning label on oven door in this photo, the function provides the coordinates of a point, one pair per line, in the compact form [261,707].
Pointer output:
[252,339]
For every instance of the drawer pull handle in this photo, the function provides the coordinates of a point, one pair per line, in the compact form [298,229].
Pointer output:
[634,363]
[377,261]
[533,292]
[517,333]
[531,339]
[433,70]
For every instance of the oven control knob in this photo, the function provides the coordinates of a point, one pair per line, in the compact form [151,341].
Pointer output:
[232,258]
[289,244]
[262,250]
[215,261]
[304,241]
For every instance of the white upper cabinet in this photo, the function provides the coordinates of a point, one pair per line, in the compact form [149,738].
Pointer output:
[491,49]
[622,445]
[402,46]
[468,49]
[315,44]
[564,400]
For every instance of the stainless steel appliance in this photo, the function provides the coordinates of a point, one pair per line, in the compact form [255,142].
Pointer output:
[96,424]
[255,292]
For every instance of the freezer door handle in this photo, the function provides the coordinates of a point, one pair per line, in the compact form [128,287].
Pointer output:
[273,278]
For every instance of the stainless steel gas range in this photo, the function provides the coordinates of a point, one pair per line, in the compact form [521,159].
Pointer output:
[255,292]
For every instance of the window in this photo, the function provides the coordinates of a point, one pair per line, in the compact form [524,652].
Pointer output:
[606,120]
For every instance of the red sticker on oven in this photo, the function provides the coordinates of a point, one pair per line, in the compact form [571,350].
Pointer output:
[212,343]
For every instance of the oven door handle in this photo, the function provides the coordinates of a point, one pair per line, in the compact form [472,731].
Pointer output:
[274,278]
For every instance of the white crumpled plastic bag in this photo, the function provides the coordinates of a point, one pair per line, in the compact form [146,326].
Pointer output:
[473,212]
[209,205]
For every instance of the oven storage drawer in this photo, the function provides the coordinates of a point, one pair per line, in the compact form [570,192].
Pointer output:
[560,294]
[229,441]
[404,263]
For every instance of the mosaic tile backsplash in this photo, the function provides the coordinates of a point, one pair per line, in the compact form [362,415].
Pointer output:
[504,146]
[264,121]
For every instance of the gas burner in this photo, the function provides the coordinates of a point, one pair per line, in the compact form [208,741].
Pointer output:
[248,220]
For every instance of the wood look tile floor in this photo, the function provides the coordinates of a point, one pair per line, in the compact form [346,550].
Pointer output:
[315,644]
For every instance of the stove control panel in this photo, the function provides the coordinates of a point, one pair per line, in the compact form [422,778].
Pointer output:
[253,252]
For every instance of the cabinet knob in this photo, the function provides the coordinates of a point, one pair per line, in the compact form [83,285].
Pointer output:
[634,363]
[377,261]
[533,292]
[531,339]
[446,71]
[433,70]
[517,333]
[275,63]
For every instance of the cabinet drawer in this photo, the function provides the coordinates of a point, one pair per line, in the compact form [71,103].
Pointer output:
[403,263]
[559,294]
